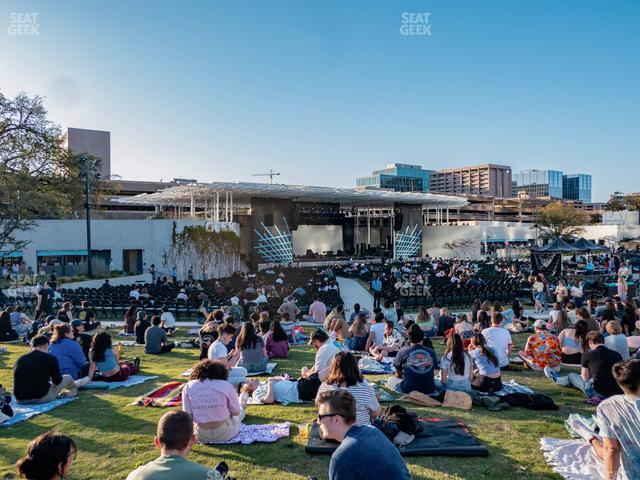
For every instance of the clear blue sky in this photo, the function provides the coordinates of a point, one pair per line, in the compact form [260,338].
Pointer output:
[324,91]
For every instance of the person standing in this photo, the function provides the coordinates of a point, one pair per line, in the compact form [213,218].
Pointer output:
[360,445]
[376,286]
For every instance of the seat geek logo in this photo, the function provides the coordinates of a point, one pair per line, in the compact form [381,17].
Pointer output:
[24,24]
[415,24]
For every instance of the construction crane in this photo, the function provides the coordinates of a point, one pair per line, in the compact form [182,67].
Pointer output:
[271,174]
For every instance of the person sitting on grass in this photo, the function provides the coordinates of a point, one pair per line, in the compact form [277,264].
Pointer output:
[276,342]
[414,366]
[155,338]
[49,457]
[218,351]
[344,374]
[69,353]
[392,342]
[573,343]
[37,377]
[141,326]
[168,321]
[542,349]
[358,333]
[616,340]
[106,358]
[174,438]
[376,332]
[618,440]
[326,350]
[262,326]
[455,365]
[426,322]
[359,455]
[253,355]
[207,335]
[595,376]
[87,316]
[486,376]
[213,402]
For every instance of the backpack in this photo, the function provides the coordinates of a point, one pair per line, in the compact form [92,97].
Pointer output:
[399,425]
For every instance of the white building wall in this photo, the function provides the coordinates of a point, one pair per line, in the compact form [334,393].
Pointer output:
[153,237]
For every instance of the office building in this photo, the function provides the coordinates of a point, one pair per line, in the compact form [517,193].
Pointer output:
[487,180]
[577,186]
[398,177]
[540,183]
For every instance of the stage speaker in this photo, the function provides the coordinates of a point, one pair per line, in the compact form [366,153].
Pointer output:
[294,221]
[348,235]
[397,221]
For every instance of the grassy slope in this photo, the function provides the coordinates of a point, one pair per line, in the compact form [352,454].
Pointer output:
[114,438]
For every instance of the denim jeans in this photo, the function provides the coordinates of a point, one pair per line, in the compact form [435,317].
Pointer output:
[573,380]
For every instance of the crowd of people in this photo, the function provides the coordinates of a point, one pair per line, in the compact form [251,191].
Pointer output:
[69,349]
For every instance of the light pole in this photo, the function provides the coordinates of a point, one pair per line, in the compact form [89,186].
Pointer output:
[90,169]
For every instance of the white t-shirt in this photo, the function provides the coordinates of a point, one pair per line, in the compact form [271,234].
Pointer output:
[447,365]
[217,350]
[182,296]
[378,330]
[325,354]
[167,318]
[499,339]
[135,294]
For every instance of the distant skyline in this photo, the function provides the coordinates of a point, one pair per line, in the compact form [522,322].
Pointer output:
[327,91]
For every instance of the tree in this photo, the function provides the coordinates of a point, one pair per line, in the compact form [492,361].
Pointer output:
[632,202]
[559,219]
[614,205]
[39,177]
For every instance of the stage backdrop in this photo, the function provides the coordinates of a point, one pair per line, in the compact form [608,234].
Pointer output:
[319,238]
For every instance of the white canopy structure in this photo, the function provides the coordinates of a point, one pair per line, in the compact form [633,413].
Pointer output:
[242,192]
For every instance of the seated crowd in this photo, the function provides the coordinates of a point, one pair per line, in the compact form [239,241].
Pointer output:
[239,340]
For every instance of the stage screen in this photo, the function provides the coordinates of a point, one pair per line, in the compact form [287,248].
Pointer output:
[318,238]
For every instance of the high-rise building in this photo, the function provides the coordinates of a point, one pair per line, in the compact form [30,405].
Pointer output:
[577,186]
[487,180]
[540,183]
[398,177]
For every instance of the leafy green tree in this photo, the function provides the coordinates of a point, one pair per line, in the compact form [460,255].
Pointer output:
[559,219]
[39,177]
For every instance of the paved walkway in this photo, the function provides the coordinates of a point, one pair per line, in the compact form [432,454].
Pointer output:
[352,292]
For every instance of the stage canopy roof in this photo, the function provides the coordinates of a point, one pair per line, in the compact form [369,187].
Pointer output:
[557,246]
[243,191]
[586,245]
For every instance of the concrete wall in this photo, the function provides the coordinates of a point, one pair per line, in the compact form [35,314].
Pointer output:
[153,237]
[434,237]
[623,217]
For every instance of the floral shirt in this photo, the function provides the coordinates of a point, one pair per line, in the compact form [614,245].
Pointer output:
[544,349]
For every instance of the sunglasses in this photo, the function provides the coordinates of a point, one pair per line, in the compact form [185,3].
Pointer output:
[326,415]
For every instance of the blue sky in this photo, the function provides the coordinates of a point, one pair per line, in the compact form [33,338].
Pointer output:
[324,91]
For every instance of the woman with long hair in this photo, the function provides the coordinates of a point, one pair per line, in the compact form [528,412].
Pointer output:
[130,318]
[426,322]
[573,342]
[49,457]
[616,340]
[477,305]
[455,365]
[358,333]
[562,322]
[276,341]
[253,354]
[487,374]
[65,313]
[344,374]
[106,358]
[7,333]
[212,402]
[629,317]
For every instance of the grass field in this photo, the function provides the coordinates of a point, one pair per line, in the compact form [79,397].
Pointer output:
[114,438]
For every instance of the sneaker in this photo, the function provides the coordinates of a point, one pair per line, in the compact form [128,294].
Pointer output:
[136,362]
[581,429]
[550,374]
[81,382]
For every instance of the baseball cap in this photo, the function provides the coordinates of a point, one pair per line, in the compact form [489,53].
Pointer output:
[76,323]
[540,324]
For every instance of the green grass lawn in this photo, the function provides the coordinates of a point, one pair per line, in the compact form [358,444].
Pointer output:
[114,438]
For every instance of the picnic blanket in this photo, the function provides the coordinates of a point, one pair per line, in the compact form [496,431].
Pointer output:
[25,412]
[513,387]
[270,367]
[370,366]
[167,395]
[132,380]
[194,331]
[268,433]
[440,436]
[573,459]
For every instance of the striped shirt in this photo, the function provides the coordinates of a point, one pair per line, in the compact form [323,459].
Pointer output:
[366,401]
